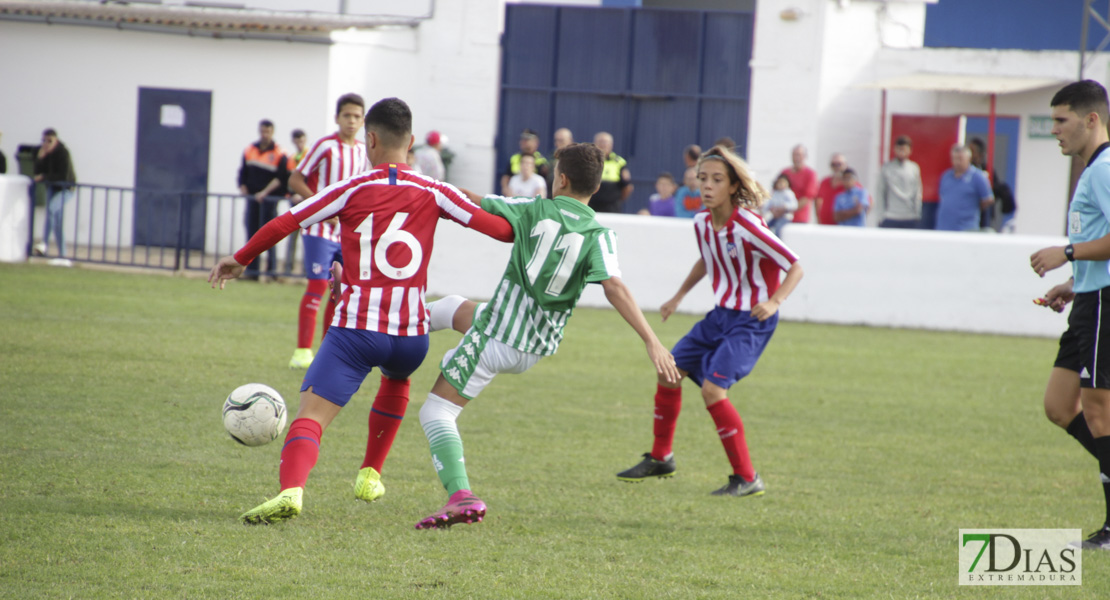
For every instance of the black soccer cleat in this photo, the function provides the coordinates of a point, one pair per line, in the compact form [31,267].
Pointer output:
[649,467]
[738,486]
[1099,540]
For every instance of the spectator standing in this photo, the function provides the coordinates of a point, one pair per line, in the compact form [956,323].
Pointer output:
[803,182]
[261,173]
[563,137]
[964,193]
[300,143]
[687,200]
[527,182]
[779,210]
[428,157]
[616,180]
[851,204]
[54,169]
[3,160]
[661,203]
[690,155]
[829,188]
[529,144]
[899,193]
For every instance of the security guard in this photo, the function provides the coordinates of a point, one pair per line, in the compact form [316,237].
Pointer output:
[616,181]
[529,144]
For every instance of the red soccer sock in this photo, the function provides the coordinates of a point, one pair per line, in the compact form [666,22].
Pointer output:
[385,418]
[731,430]
[329,313]
[310,306]
[668,403]
[298,456]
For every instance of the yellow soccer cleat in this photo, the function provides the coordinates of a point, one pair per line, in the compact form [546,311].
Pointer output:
[282,507]
[302,358]
[368,485]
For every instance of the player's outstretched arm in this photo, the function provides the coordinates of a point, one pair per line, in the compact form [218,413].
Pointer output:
[227,268]
[692,279]
[764,310]
[618,294]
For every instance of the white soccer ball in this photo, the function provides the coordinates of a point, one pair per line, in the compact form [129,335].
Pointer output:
[254,414]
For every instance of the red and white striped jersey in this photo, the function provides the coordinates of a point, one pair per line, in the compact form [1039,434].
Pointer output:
[328,162]
[743,259]
[387,219]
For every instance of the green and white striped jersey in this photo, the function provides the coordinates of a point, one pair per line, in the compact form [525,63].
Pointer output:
[558,248]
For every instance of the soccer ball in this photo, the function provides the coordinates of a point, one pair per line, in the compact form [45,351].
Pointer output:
[254,414]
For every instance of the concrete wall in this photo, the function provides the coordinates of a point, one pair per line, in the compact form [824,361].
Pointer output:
[916,279]
[447,70]
[84,82]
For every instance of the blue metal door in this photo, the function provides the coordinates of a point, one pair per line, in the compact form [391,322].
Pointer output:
[657,79]
[171,167]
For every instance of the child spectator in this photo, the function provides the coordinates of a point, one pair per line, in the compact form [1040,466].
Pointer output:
[779,210]
[661,203]
[851,205]
[687,200]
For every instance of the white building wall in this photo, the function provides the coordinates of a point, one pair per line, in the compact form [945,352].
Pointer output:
[805,78]
[84,82]
[447,70]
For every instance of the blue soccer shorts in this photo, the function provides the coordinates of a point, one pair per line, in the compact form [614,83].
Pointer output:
[348,355]
[318,256]
[724,346]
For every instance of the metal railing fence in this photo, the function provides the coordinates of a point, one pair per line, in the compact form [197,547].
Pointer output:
[175,230]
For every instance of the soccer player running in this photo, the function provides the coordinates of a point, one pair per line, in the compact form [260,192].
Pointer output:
[388,217]
[1077,397]
[559,248]
[743,258]
[330,160]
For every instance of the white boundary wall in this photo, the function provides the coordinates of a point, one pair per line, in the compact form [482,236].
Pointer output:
[915,279]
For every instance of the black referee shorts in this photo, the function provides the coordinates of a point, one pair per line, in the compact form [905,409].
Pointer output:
[1085,346]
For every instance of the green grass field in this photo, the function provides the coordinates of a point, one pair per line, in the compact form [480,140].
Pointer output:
[118,481]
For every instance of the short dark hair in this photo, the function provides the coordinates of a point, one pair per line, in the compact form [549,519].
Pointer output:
[49,131]
[693,151]
[1083,98]
[265,123]
[349,99]
[903,140]
[665,175]
[582,164]
[848,172]
[391,119]
[298,133]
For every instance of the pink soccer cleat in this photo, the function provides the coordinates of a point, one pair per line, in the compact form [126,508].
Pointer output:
[462,507]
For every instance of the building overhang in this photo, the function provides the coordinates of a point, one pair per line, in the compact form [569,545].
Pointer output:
[964,83]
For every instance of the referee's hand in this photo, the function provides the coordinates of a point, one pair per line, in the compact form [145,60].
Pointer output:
[1047,259]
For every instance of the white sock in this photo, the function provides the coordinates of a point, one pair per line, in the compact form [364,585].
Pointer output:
[442,312]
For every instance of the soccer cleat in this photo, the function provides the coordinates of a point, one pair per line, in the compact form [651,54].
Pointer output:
[649,467]
[462,507]
[302,358]
[368,485]
[738,486]
[1099,540]
[282,507]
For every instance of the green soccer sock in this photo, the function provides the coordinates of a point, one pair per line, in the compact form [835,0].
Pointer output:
[437,417]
